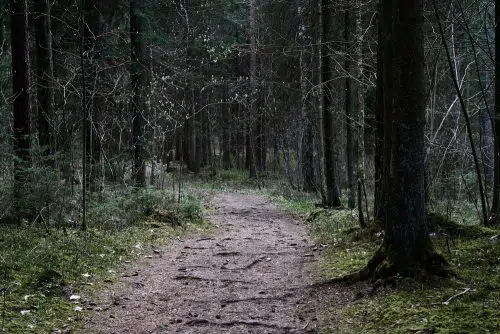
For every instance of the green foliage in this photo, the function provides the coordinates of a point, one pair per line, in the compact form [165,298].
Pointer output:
[42,266]
[228,180]
[117,207]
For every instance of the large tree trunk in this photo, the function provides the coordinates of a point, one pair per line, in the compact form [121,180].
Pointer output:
[140,87]
[332,198]
[407,248]
[406,232]
[45,73]
[20,86]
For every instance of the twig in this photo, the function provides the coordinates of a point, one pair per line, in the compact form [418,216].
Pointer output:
[455,296]
[307,324]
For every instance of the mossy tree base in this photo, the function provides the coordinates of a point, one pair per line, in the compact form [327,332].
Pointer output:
[387,265]
[390,264]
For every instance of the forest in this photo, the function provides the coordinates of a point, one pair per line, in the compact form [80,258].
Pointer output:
[298,166]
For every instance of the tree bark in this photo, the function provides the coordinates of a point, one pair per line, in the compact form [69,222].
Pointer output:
[379,122]
[494,218]
[359,93]
[407,248]
[140,87]
[226,135]
[21,106]
[349,116]
[332,198]
[92,55]
[252,119]
[45,73]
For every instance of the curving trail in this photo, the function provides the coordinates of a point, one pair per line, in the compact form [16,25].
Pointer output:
[251,276]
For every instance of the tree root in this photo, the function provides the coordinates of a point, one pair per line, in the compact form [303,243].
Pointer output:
[385,267]
[253,323]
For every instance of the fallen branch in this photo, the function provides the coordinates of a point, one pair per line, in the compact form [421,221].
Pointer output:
[455,296]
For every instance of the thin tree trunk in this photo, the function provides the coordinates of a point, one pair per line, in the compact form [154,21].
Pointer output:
[226,154]
[349,113]
[20,86]
[45,73]
[332,191]
[93,105]
[252,119]
[360,116]
[379,124]
[140,87]
[466,117]
[494,218]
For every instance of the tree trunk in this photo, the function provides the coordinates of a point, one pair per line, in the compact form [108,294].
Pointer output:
[495,206]
[407,248]
[252,119]
[332,192]
[20,86]
[379,122]
[349,113]
[226,135]
[45,73]
[306,149]
[359,145]
[140,87]
[387,100]
[92,55]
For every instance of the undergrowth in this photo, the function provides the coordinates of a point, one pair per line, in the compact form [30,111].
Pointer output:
[48,271]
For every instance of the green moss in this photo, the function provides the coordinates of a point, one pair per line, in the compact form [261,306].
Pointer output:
[414,307]
[41,267]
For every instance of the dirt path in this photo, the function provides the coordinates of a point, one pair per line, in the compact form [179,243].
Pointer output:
[250,277]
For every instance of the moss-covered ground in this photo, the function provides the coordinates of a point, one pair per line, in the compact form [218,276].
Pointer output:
[48,273]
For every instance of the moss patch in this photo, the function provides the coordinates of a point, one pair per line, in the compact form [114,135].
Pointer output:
[47,274]
[470,304]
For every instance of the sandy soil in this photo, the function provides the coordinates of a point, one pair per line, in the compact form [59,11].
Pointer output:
[251,276]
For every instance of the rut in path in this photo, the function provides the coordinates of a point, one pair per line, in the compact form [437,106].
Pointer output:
[251,276]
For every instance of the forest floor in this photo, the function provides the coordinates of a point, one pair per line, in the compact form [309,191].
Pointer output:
[252,275]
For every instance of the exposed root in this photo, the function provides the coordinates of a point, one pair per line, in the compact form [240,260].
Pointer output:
[252,323]
[228,253]
[197,278]
[385,267]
